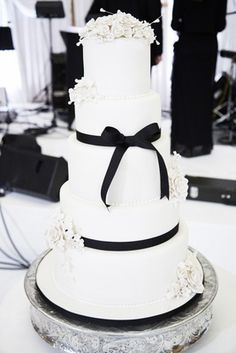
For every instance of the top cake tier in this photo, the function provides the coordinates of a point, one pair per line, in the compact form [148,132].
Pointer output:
[119,68]
[116,52]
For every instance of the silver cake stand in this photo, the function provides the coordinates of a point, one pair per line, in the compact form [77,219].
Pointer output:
[171,335]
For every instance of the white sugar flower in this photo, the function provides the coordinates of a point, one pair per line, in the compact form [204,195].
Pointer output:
[102,30]
[62,235]
[90,24]
[188,282]
[148,33]
[131,21]
[54,236]
[76,241]
[192,275]
[101,22]
[177,182]
[138,33]
[179,289]
[128,33]
[84,90]
[117,30]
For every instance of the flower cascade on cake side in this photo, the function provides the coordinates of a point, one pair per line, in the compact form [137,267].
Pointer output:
[188,276]
[62,234]
[189,279]
[177,181]
[84,91]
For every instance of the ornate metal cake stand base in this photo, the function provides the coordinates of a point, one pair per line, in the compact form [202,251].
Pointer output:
[171,335]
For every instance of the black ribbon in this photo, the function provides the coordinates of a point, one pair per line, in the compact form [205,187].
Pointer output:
[130,245]
[113,138]
[113,324]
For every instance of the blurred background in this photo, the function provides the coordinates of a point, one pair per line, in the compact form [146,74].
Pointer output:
[30,60]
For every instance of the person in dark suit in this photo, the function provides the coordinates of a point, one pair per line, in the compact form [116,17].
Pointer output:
[147,10]
[197,23]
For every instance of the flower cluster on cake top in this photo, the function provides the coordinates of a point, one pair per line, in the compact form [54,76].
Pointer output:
[177,181]
[62,235]
[115,26]
[84,91]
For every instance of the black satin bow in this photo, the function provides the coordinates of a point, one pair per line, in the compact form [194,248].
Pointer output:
[112,137]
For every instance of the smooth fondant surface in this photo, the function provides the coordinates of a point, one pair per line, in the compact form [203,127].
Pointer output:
[120,67]
[130,222]
[128,114]
[124,293]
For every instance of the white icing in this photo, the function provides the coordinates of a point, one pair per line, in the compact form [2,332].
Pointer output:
[122,222]
[116,26]
[119,68]
[122,285]
[137,177]
[127,115]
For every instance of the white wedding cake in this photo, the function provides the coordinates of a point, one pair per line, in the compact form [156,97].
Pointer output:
[119,250]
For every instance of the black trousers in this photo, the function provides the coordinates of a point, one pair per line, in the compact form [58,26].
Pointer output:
[192,92]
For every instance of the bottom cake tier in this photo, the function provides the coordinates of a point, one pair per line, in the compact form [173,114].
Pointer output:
[122,285]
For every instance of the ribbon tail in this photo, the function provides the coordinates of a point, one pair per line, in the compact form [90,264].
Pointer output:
[111,171]
[164,179]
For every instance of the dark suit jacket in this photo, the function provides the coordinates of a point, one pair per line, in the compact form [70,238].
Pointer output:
[199,16]
[147,10]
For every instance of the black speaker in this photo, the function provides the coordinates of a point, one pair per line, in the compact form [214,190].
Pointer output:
[49,9]
[212,189]
[6,42]
[22,142]
[32,173]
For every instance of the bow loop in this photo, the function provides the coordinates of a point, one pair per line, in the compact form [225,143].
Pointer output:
[149,133]
[113,136]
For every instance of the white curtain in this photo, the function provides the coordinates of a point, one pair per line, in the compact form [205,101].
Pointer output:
[161,73]
[31,40]
[9,68]
[81,9]
[226,39]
